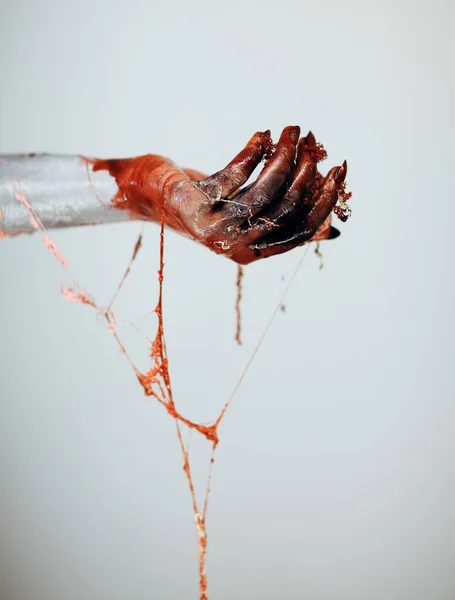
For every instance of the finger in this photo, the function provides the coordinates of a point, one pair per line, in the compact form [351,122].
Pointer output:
[326,199]
[223,183]
[271,179]
[296,232]
[294,199]
[306,168]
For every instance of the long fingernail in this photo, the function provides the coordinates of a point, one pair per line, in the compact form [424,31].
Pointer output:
[333,233]
[340,173]
[310,140]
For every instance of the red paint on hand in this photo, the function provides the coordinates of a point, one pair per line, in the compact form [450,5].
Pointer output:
[288,205]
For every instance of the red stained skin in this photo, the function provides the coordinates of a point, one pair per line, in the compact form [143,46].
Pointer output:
[287,205]
[218,211]
[142,183]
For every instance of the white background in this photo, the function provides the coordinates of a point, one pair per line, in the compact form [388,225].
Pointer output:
[334,477]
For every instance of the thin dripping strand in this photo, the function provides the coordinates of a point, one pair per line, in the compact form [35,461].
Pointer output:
[136,249]
[245,370]
[262,337]
[238,312]
[38,226]
[156,382]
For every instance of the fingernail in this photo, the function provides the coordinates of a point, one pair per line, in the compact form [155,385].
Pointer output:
[333,233]
[340,173]
[310,140]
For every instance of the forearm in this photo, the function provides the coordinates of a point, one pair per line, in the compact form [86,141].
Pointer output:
[62,191]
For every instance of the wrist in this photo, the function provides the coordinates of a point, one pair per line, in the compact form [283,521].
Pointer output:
[145,184]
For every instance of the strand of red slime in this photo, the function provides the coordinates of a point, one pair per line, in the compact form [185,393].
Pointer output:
[160,369]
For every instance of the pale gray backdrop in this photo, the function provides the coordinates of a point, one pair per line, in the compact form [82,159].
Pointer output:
[334,477]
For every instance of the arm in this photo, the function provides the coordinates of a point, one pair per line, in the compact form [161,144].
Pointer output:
[289,204]
[62,191]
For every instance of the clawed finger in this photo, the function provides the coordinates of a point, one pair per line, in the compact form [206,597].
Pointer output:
[271,180]
[295,198]
[300,230]
[225,182]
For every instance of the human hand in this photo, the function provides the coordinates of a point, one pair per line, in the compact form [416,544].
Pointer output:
[289,204]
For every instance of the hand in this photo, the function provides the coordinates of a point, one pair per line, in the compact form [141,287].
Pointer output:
[289,204]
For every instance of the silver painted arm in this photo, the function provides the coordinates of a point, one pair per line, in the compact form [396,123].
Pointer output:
[61,191]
